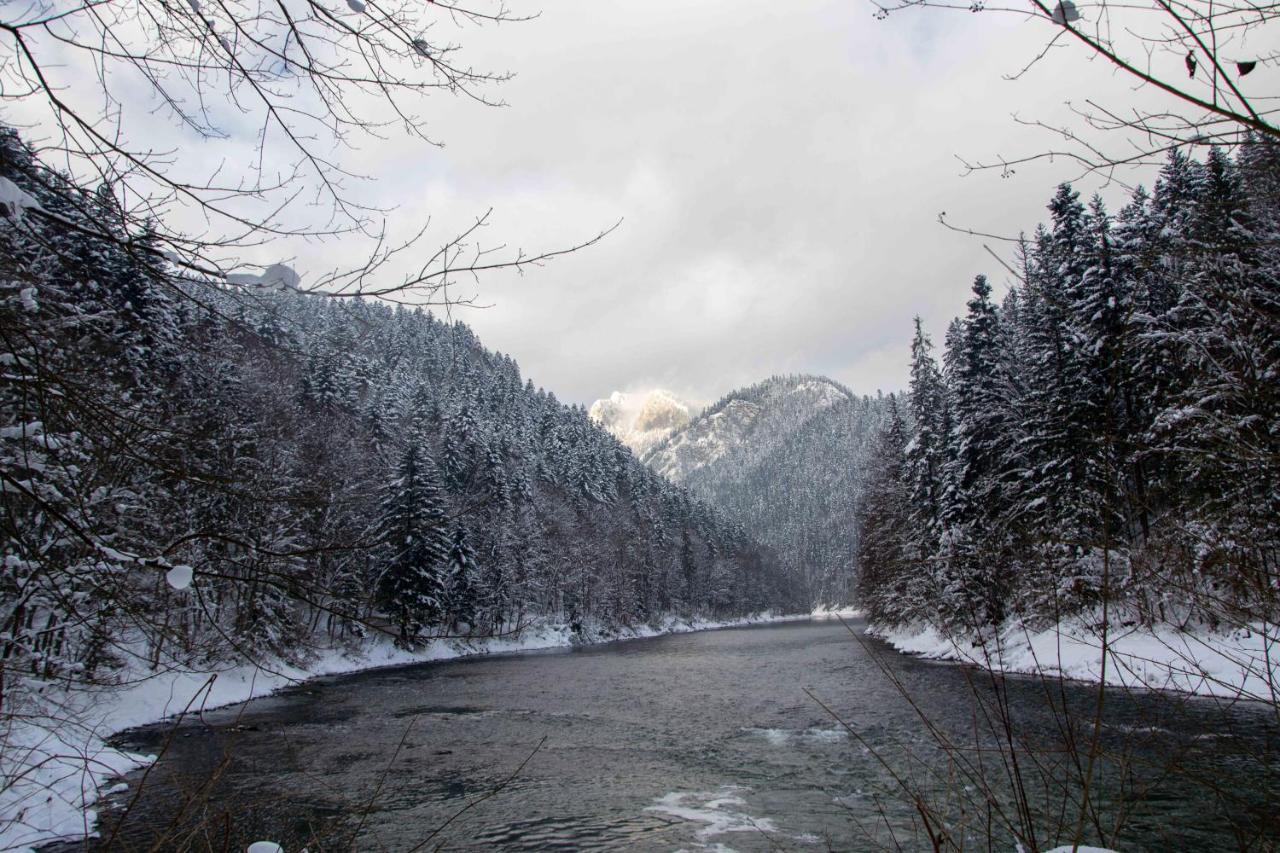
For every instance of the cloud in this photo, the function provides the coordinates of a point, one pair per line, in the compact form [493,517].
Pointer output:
[778,169]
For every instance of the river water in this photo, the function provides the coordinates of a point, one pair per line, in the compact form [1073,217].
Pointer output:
[703,741]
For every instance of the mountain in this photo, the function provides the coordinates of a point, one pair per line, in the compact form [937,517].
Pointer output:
[642,421]
[745,423]
[787,459]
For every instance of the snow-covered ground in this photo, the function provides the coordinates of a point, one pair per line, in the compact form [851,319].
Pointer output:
[1244,663]
[823,613]
[56,763]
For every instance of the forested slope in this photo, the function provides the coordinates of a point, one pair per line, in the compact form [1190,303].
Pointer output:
[193,470]
[1108,432]
[787,458]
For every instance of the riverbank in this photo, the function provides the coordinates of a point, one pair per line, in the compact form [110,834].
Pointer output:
[1239,664]
[56,762]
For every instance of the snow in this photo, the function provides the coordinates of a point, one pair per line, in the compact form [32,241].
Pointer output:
[52,775]
[1238,664]
[27,430]
[274,277]
[824,612]
[179,577]
[264,847]
[642,420]
[14,200]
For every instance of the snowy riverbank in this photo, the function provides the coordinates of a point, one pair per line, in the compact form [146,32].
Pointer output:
[1244,663]
[56,762]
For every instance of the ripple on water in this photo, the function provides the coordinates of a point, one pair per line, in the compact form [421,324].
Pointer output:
[812,735]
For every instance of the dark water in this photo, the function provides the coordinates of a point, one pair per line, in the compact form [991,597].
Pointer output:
[700,742]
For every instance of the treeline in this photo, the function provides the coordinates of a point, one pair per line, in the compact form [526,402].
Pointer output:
[318,467]
[1110,429]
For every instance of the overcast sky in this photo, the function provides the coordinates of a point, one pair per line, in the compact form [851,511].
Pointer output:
[778,167]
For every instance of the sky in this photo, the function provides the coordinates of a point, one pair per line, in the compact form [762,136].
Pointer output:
[777,170]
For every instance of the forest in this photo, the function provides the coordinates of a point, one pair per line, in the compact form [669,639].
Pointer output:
[788,459]
[197,471]
[1104,441]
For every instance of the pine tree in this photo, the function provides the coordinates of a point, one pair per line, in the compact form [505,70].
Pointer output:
[463,594]
[926,452]
[415,546]
[889,580]
[979,411]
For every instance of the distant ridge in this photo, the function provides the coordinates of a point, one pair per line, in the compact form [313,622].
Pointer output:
[787,458]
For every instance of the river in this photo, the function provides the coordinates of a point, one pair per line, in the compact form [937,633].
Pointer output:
[707,741]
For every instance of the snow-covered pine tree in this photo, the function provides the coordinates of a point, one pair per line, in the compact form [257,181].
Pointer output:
[463,593]
[926,450]
[892,581]
[412,579]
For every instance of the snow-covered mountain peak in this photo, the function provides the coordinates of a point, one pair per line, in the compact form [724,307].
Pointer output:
[642,420]
[745,422]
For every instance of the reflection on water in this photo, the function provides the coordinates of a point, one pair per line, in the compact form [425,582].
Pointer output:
[697,742]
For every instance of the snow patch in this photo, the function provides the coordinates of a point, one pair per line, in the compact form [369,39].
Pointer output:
[179,577]
[824,612]
[1238,664]
[14,200]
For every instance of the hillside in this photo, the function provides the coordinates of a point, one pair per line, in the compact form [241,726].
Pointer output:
[744,424]
[786,458]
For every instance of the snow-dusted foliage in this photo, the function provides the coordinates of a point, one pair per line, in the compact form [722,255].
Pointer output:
[198,470]
[1111,429]
[786,458]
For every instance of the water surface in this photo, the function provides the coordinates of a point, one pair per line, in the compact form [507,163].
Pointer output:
[702,741]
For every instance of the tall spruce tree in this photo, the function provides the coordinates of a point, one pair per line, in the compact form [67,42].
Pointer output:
[461,583]
[413,578]
[926,451]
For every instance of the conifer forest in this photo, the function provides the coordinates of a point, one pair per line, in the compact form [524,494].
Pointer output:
[1106,429]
